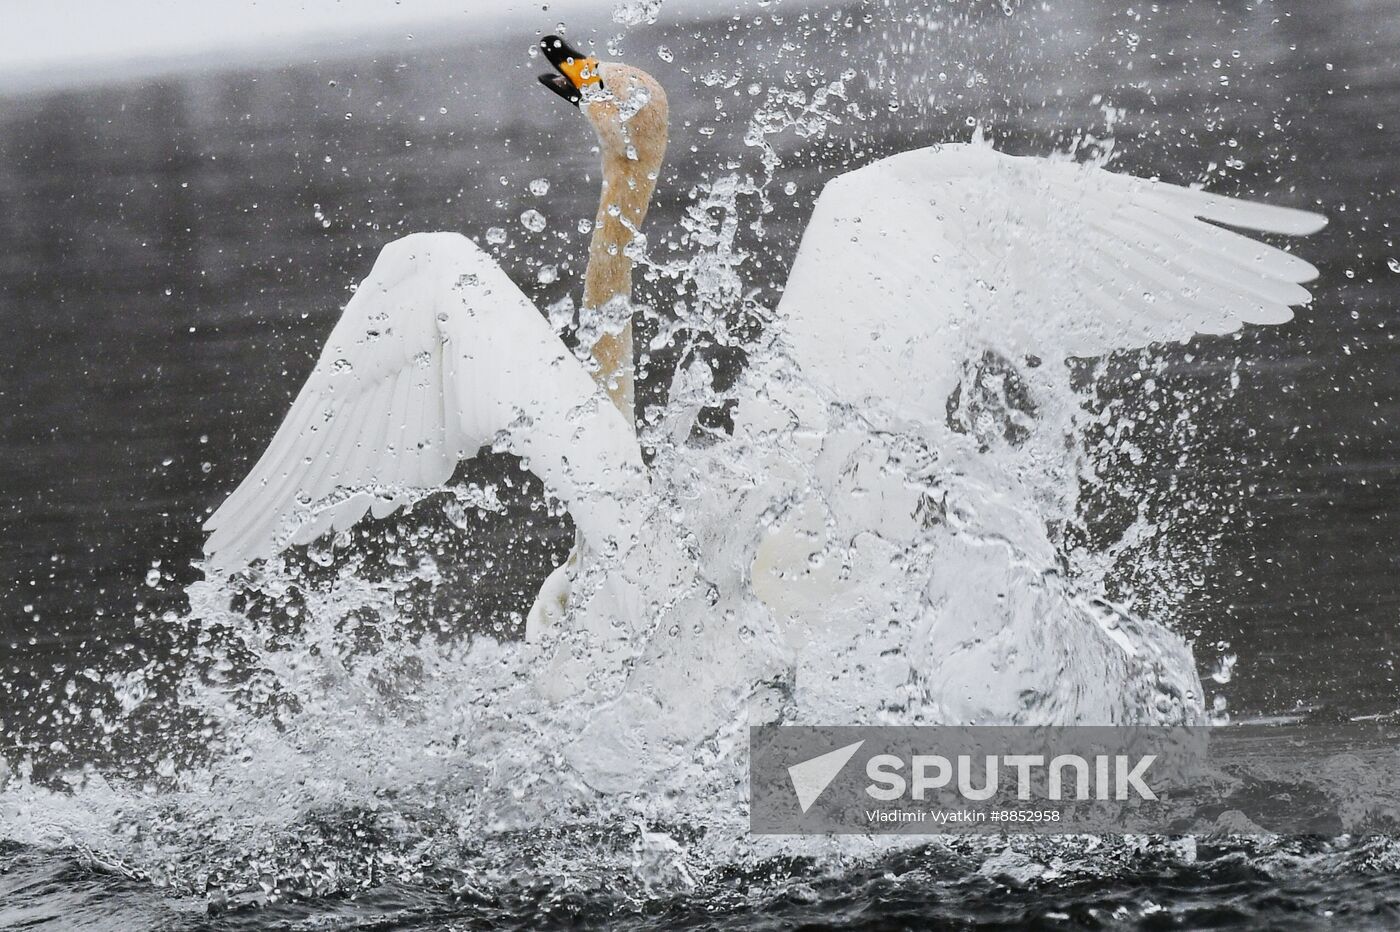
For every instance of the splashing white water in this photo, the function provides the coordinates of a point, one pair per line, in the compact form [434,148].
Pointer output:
[814,566]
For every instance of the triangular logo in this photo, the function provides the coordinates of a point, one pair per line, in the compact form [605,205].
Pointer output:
[811,777]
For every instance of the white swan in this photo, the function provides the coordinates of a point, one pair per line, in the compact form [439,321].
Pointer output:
[909,268]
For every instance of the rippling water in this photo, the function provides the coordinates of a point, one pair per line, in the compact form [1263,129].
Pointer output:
[175,250]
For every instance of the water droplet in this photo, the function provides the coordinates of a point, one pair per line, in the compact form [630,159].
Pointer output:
[539,187]
[495,236]
[533,221]
[321,553]
[1394,265]
[665,54]
[561,314]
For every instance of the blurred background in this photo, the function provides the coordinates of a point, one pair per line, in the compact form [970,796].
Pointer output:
[189,191]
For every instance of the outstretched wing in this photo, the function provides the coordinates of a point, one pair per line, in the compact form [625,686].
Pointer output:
[911,263]
[437,354]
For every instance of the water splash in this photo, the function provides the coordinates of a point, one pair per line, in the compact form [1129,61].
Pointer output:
[631,13]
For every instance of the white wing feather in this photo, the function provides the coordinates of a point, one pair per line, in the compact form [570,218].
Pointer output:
[912,263]
[436,355]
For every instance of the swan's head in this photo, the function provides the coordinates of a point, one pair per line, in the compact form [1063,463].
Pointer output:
[625,105]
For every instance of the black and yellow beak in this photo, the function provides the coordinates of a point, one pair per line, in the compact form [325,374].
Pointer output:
[576,71]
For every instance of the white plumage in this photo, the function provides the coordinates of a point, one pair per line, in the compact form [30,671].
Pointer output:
[913,262]
[437,355]
[910,272]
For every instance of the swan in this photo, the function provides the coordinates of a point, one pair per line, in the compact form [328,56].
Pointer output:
[910,268]
[439,353]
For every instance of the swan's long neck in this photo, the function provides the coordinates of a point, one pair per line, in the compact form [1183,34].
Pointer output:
[627,188]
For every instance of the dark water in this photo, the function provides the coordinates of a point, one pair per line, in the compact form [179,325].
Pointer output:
[174,250]
[1149,886]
